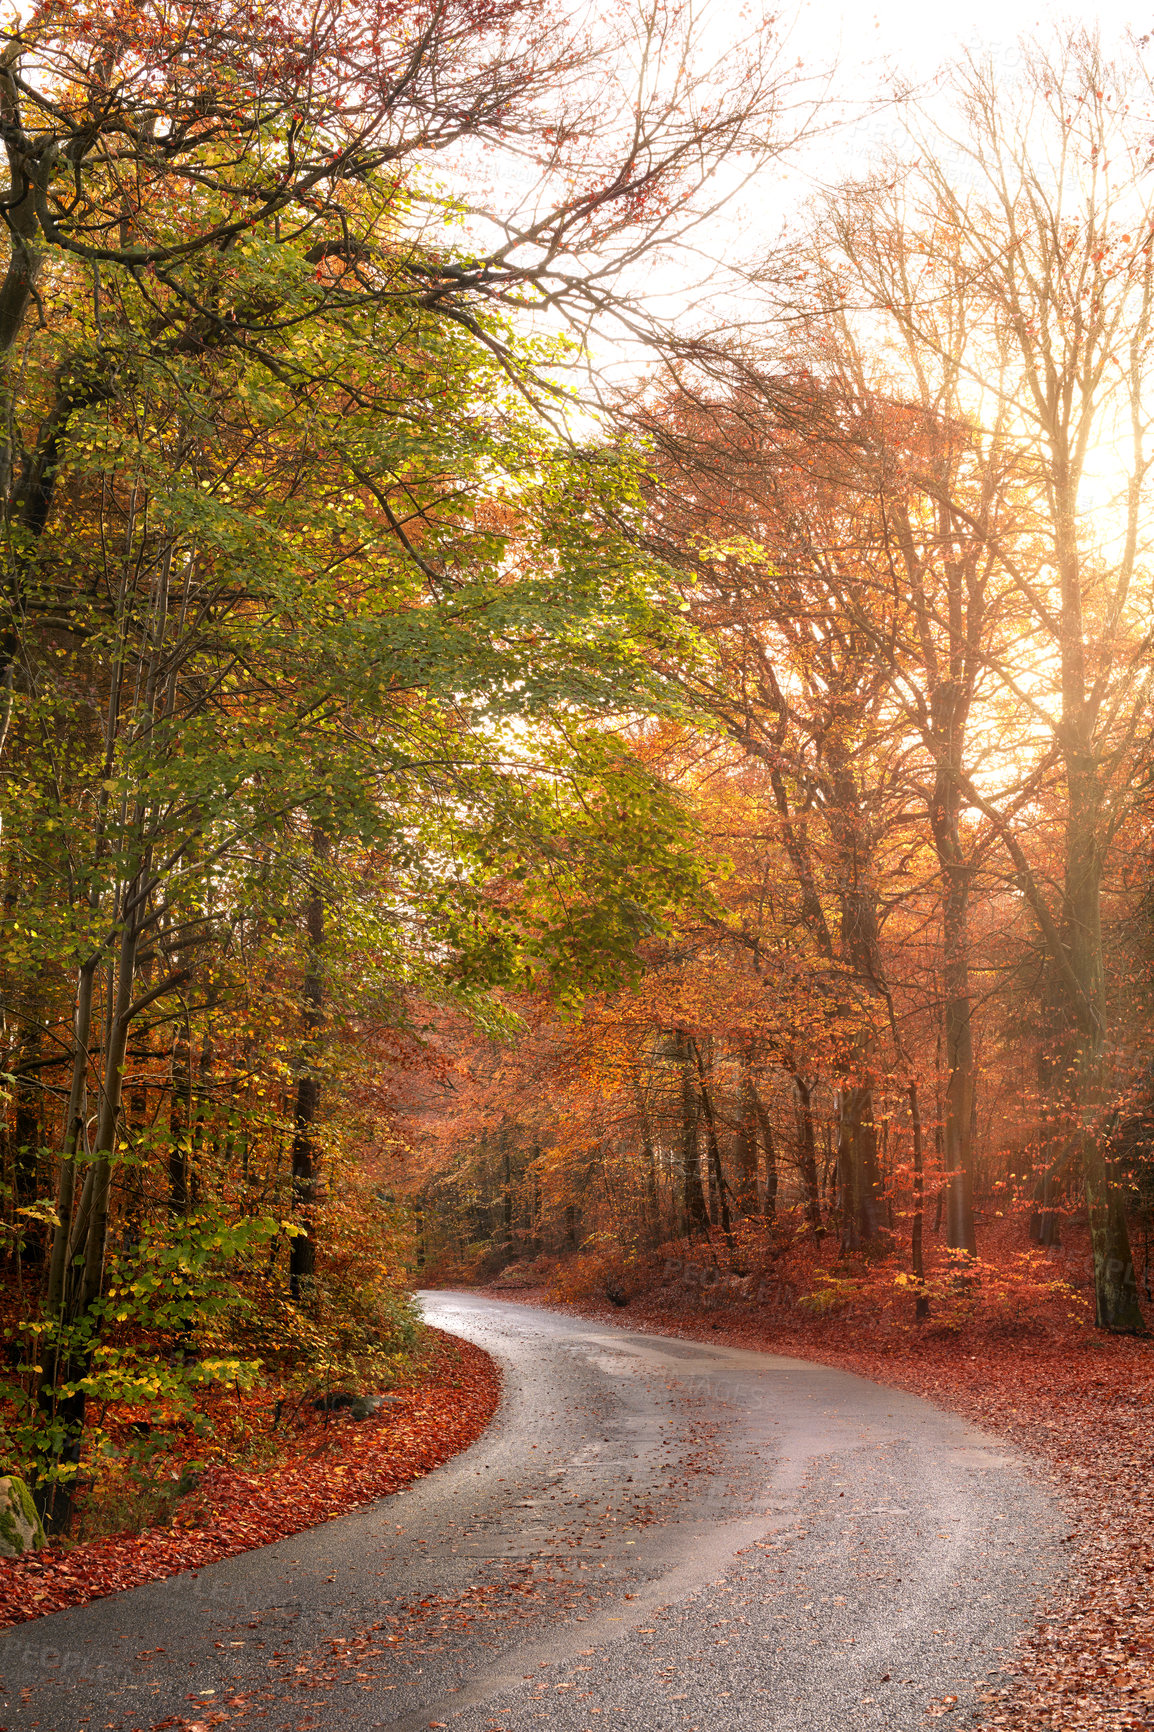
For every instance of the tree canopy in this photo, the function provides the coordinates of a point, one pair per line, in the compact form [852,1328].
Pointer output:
[758,755]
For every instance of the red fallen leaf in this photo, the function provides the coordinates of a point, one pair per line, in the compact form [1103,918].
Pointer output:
[375,1457]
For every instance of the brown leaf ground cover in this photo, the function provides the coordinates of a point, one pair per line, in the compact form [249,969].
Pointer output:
[325,1466]
[1080,1404]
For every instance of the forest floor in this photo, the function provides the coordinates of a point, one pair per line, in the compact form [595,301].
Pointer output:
[1078,1404]
[324,1465]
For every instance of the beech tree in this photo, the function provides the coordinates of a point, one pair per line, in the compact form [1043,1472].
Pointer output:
[909,524]
[793,685]
[963,364]
[1016,267]
[870,509]
[288,539]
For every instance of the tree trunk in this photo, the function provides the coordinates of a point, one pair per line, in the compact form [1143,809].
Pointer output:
[949,709]
[695,1213]
[1079,945]
[862,1204]
[1045,1219]
[73,1142]
[769,1195]
[178,1123]
[90,1237]
[652,1194]
[859,1184]
[1117,1306]
[958,1144]
[28,1121]
[917,1257]
[77,1269]
[717,1185]
[28,1130]
[303,1253]
[506,1187]
[745,1148]
[807,1155]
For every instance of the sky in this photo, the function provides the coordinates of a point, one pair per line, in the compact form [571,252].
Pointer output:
[866,52]
[907,42]
[916,36]
[850,59]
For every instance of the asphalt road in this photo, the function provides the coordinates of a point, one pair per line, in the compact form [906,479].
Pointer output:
[652,1536]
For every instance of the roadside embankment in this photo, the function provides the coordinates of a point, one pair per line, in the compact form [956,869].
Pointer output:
[326,1467]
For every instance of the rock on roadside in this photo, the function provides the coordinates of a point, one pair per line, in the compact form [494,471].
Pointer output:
[365,1406]
[20,1526]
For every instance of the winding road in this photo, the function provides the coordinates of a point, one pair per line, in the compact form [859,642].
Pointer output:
[653,1535]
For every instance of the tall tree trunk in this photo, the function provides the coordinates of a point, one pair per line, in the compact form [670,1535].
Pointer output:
[201,1095]
[1116,1301]
[75,1116]
[28,1128]
[958,1142]
[28,1120]
[506,1185]
[649,1161]
[769,1193]
[745,1146]
[950,708]
[77,1270]
[1045,1220]
[1117,1306]
[533,1202]
[718,1185]
[136,1121]
[90,1235]
[179,1138]
[305,1154]
[859,1183]
[1045,1217]
[862,1202]
[695,1213]
[917,1256]
[652,1193]
[807,1154]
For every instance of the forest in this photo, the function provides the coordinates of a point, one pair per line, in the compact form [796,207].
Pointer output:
[911,744]
[470,809]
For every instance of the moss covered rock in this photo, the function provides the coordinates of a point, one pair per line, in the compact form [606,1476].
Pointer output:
[20,1529]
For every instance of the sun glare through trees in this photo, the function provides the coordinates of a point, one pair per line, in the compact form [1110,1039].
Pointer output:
[542,746]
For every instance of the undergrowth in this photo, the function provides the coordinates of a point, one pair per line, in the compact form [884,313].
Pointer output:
[1015,1289]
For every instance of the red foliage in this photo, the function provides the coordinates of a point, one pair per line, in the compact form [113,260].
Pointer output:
[330,1469]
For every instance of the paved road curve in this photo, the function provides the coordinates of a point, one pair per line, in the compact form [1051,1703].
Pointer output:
[652,1535]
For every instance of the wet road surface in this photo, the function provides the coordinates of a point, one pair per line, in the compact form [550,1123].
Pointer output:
[652,1535]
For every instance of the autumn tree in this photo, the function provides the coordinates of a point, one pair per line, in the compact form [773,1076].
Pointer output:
[1015,267]
[908,515]
[921,461]
[791,682]
[288,542]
